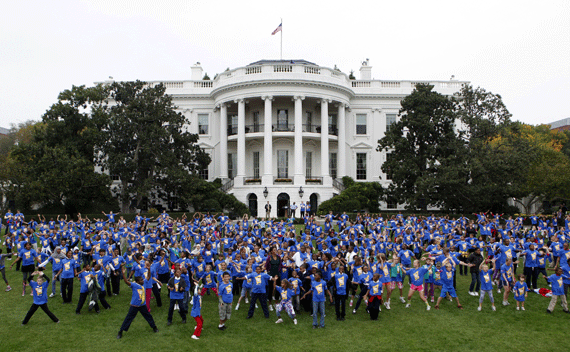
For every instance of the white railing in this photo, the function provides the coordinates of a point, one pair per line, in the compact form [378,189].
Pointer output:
[313,70]
[451,85]
[252,70]
[390,84]
[282,68]
[360,84]
[413,84]
[176,85]
[203,84]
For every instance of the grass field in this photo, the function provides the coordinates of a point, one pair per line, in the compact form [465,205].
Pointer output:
[413,329]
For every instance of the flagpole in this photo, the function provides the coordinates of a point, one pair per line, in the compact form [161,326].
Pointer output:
[281,50]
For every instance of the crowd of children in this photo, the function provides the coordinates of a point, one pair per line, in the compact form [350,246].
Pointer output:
[262,261]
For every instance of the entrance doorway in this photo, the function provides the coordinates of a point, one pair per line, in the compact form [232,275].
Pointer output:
[252,204]
[282,205]
[314,201]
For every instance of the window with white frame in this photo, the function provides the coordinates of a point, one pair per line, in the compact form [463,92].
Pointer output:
[332,165]
[232,164]
[232,125]
[282,164]
[360,123]
[361,166]
[309,164]
[203,124]
[255,164]
[256,127]
[282,120]
[204,173]
[390,119]
[333,129]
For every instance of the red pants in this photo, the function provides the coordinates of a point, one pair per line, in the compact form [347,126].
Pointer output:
[211,288]
[199,324]
[148,293]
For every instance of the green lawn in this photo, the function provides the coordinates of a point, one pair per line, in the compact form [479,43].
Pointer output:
[398,329]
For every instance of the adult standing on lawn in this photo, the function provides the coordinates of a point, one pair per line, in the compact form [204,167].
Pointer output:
[273,266]
[475,258]
[259,282]
[137,304]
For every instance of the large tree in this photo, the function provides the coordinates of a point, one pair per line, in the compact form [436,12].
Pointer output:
[144,141]
[416,143]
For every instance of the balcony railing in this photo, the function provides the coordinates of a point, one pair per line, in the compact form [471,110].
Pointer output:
[254,128]
[252,181]
[283,127]
[233,130]
[277,179]
[338,185]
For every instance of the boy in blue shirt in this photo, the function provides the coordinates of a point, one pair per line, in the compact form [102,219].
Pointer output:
[520,291]
[39,291]
[176,286]
[259,281]
[318,289]
[137,304]
[340,280]
[556,280]
[446,277]
[226,298]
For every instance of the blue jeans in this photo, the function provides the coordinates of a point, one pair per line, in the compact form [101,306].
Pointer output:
[319,307]
[54,281]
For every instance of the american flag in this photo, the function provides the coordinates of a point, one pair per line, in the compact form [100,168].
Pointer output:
[278,29]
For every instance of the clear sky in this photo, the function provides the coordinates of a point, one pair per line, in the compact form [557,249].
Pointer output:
[518,49]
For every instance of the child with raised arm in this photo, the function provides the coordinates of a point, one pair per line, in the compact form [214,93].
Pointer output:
[286,293]
[39,291]
[446,277]
[520,291]
[137,303]
[486,277]
[196,312]
[318,289]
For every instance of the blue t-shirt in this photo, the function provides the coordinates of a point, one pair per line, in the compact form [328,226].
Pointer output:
[40,292]
[27,256]
[446,277]
[318,288]
[486,278]
[196,306]
[557,284]
[258,281]
[225,290]
[85,278]
[520,290]
[177,293]
[340,282]
[417,276]
[375,288]
[68,268]
[285,294]
[139,295]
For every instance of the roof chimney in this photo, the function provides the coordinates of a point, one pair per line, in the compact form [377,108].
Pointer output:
[366,70]
[197,72]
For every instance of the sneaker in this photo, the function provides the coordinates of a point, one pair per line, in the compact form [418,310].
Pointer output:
[476,294]
[176,307]
[279,321]
[270,308]
[246,301]
[237,306]
[120,334]
[498,290]
[548,311]
[256,306]
[295,321]
[8,288]
[479,309]
[155,330]
[354,311]
[388,306]
[195,337]
[470,293]
[518,308]
[51,295]
[505,303]
[522,308]
[402,300]
[31,294]
[350,303]
[432,300]
[23,293]
[428,307]
[408,305]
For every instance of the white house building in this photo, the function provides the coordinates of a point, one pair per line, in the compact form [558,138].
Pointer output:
[287,131]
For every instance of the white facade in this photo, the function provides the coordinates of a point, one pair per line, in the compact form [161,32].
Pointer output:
[285,125]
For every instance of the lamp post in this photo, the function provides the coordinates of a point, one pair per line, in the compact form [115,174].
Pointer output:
[265,192]
[301,191]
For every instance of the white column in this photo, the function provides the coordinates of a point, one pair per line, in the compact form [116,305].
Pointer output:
[298,176]
[325,142]
[267,179]
[240,175]
[341,156]
[223,141]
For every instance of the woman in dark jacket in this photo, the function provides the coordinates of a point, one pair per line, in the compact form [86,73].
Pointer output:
[273,265]
[475,260]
